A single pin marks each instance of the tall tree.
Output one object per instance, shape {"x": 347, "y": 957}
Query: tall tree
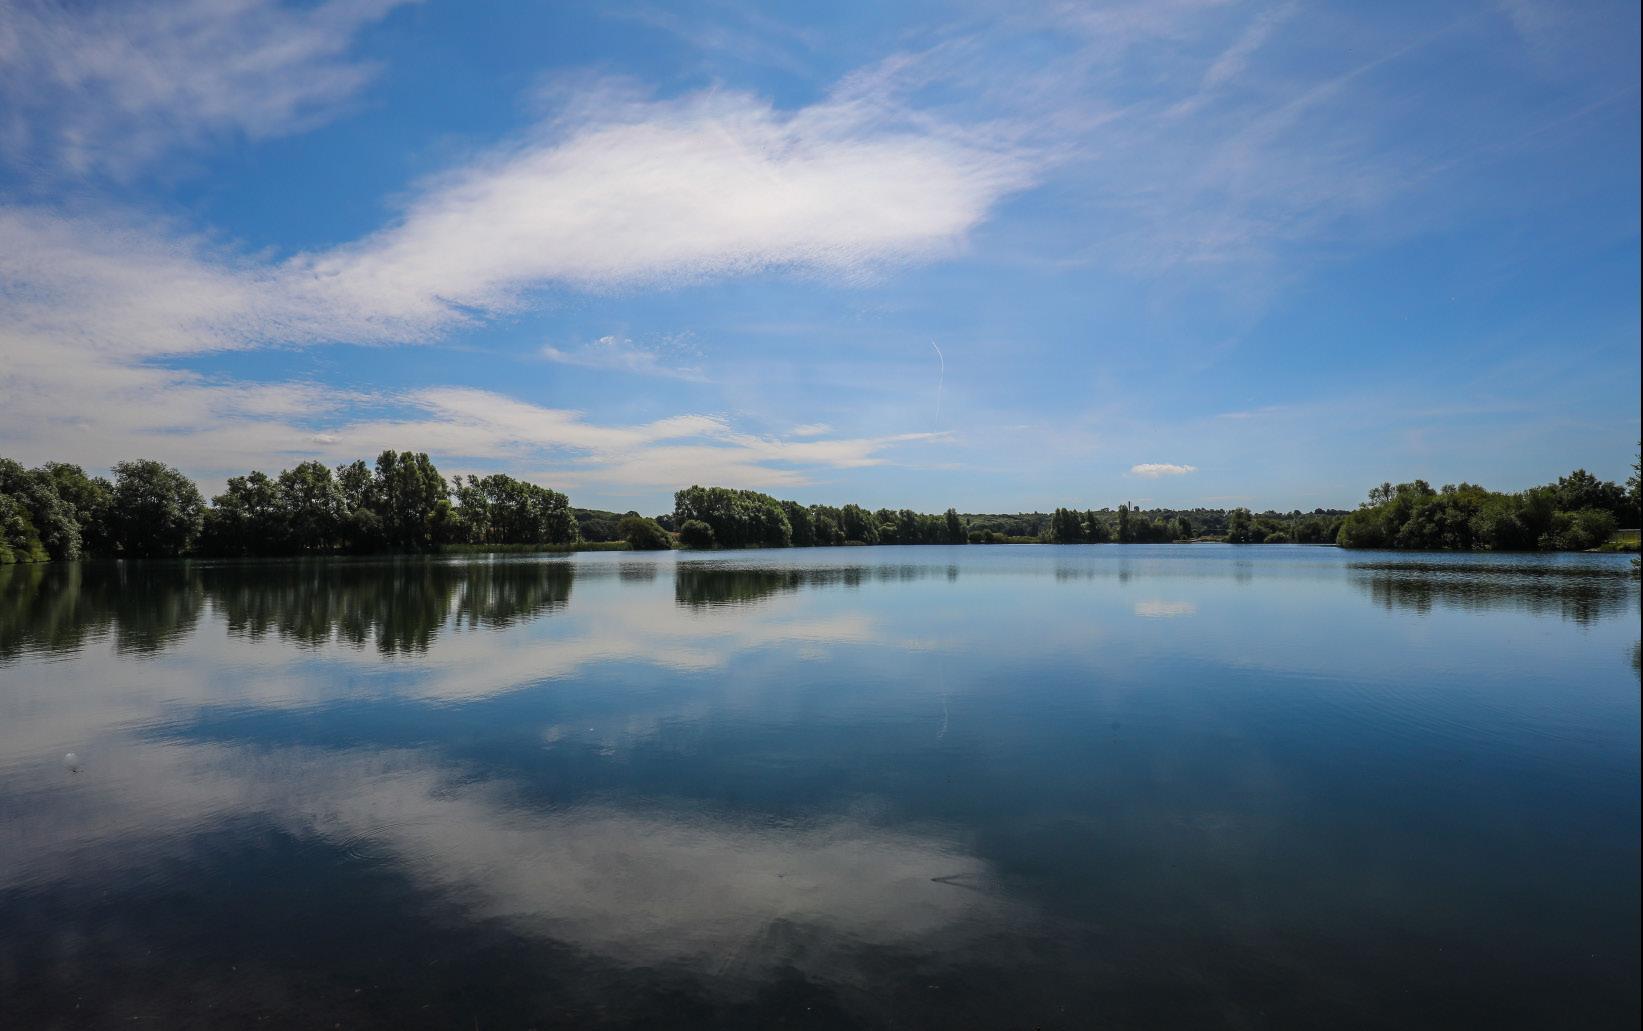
{"x": 157, "y": 511}
{"x": 312, "y": 506}
{"x": 19, "y": 542}
{"x": 89, "y": 496}
{"x": 412, "y": 502}
{"x": 245, "y": 519}
{"x": 52, "y": 517}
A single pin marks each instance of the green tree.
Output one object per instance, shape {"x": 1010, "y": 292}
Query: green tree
{"x": 19, "y": 541}
{"x": 312, "y": 507}
{"x": 89, "y": 496}
{"x": 826, "y": 521}
{"x": 858, "y": 525}
{"x": 157, "y": 512}
{"x": 955, "y": 528}
{"x": 363, "y": 527}
{"x": 1095, "y": 528}
{"x": 1066, "y": 527}
{"x": 245, "y": 519}
{"x": 499, "y": 509}
{"x": 1581, "y": 490}
{"x": 1240, "y": 526}
{"x": 802, "y": 522}
{"x": 739, "y": 518}
{"x": 53, "y": 518}
{"x": 1579, "y": 531}
{"x": 412, "y": 502}
{"x": 644, "y": 534}
{"x": 694, "y": 533}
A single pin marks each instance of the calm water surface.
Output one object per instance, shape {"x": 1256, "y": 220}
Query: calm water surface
{"x": 944, "y": 787}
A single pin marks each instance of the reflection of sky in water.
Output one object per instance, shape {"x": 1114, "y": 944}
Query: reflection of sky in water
{"x": 1036, "y": 777}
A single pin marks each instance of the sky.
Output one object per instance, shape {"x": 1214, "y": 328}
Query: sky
{"x": 999, "y": 257}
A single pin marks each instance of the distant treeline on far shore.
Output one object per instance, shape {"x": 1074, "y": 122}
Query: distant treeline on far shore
{"x": 403, "y": 505}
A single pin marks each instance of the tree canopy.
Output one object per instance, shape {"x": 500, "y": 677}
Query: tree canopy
{"x": 402, "y": 503}
{"x": 1577, "y": 512}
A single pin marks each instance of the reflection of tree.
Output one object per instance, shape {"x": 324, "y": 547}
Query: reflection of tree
{"x": 713, "y": 586}
{"x": 401, "y": 605}
{"x": 1581, "y": 594}
{"x": 59, "y": 606}
{"x": 637, "y": 572}
{"x": 706, "y": 585}
{"x": 498, "y": 594}
{"x": 43, "y": 607}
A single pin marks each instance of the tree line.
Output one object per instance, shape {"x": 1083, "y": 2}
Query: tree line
{"x": 403, "y": 504}
{"x": 1576, "y": 513}
{"x": 723, "y": 517}
{"x": 151, "y": 510}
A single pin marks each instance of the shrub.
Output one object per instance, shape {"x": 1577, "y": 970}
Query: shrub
{"x": 696, "y": 534}
{"x": 644, "y": 534}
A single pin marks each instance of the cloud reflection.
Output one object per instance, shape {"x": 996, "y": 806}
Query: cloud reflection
{"x": 639, "y": 884}
{"x": 1158, "y": 609}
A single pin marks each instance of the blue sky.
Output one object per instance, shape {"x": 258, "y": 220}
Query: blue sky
{"x": 1000, "y": 257}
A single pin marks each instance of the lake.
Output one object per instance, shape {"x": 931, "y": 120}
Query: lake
{"x": 1013, "y": 786}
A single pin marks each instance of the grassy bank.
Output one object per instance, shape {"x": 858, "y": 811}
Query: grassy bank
{"x": 1623, "y": 540}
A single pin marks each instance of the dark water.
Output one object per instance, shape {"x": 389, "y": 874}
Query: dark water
{"x": 967, "y": 787}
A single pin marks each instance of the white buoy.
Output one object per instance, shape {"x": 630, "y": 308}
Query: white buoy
{"x": 71, "y": 762}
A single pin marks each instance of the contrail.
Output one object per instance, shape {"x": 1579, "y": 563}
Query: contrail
{"x": 941, "y": 381}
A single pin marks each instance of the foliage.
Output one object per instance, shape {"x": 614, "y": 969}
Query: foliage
{"x": 412, "y": 503}
{"x": 312, "y": 507}
{"x": 499, "y": 509}
{"x": 155, "y": 511}
{"x": 802, "y": 523}
{"x": 1066, "y": 527}
{"x": 244, "y": 519}
{"x": 403, "y": 504}
{"x": 89, "y": 497}
{"x": 53, "y": 518}
{"x": 694, "y": 533}
{"x": 739, "y": 518}
{"x": 1577, "y": 513}
{"x": 644, "y": 534}
{"x": 595, "y": 525}
{"x": 19, "y": 541}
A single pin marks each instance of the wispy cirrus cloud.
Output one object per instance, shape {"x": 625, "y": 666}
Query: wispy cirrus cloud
{"x": 1154, "y": 470}
{"x": 620, "y": 354}
{"x": 483, "y": 425}
{"x": 111, "y": 87}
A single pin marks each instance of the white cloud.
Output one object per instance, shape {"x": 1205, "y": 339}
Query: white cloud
{"x": 110, "y": 87}
{"x": 810, "y": 429}
{"x": 1153, "y": 470}
{"x": 623, "y": 355}
{"x": 621, "y": 193}
{"x": 618, "y": 193}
